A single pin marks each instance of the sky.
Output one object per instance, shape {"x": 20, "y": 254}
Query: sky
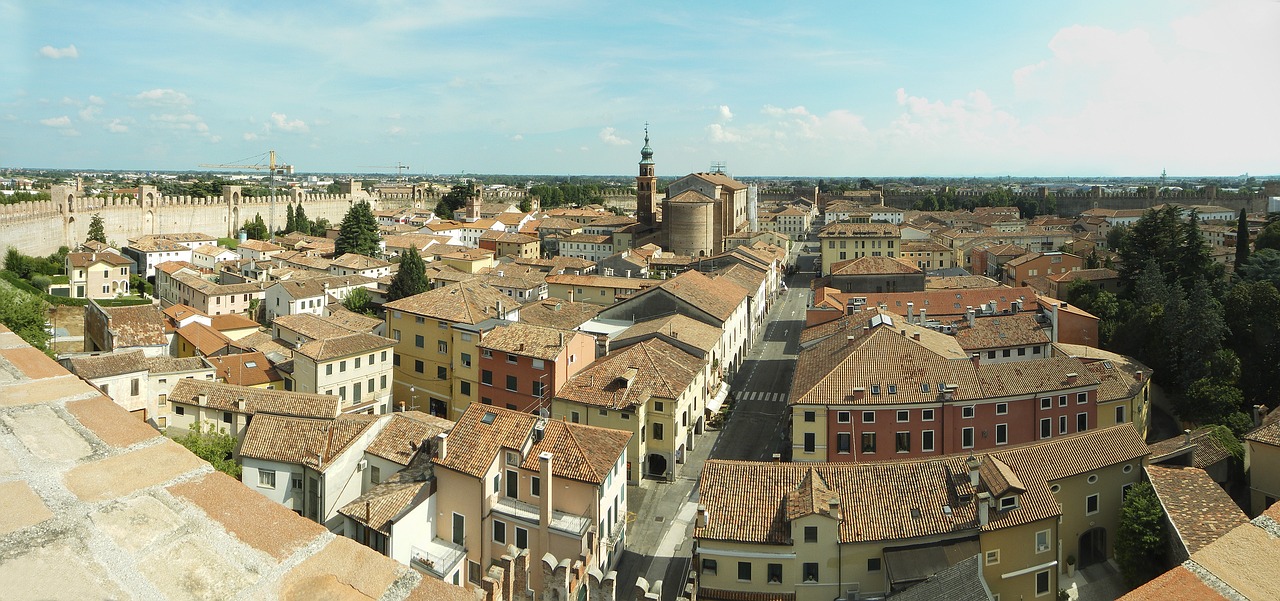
{"x": 848, "y": 88}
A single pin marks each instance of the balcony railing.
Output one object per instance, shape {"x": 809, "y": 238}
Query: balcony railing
{"x": 438, "y": 557}
{"x": 567, "y": 523}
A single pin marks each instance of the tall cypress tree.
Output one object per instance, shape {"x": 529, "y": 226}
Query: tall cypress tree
{"x": 290, "y": 223}
{"x": 1242, "y": 239}
{"x": 96, "y": 231}
{"x": 411, "y": 279}
{"x": 359, "y": 231}
{"x": 301, "y": 224}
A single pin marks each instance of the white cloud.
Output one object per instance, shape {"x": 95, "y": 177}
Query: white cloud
{"x": 57, "y": 53}
{"x": 517, "y": 138}
{"x": 395, "y": 130}
{"x": 774, "y": 111}
{"x": 249, "y": 136}
{"x": 116, "y": 127}
{"x": 718, "y": 133}
{"x": 90, "y": 112}
{"x": 163, "y": 97}
{"x": 609, "y": 136}
{"x": 57, "y": 122}
{"x": 725, "y": 113}
{"x": 281, "y": 122}
{"x": 97, "y": 100}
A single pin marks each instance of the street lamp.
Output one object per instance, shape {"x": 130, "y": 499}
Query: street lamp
{"x": 413, "y": 397}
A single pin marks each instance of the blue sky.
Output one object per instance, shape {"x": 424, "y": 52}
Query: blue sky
{"x": 565, "y": 87}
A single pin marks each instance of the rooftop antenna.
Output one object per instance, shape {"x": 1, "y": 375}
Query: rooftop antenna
{"x": 717, "y": 167}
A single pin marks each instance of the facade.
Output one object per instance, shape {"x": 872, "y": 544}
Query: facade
{"x": 700, "y": 210}
{"x": 357, "y": 368}
{"x": 149, "y": 251}
{"x": 814, "y": 532}
{"x": 353, "y": 264}
{"x": 595, "y": 289}
{"x": 876, "y": 274}
{"x": 97, "y": 275}
{"x": 843, "y": 241}
{"x": 1048, "y": 264}
{"x": 181, "y": 285}
{"x": 510, "y": 244}
{"x": 507, "y": 478}
{"x": 208, "y": 256}
{"x": 1262, "y": 461}
{"x": 194, "y": 404}
{"x": 138, "y": 383}
{"x": 523, "y": 366}
{"x": 139, "y": 327}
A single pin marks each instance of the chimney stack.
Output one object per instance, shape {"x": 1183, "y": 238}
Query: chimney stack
{"x": 976, "y": 358}
{"x": 442, "y": 445}
{"x": 1187, "y": 433}
{"x": 922, "y": 316}
{"x": 915, "y": 335}
{"x": 545, "y": 501}
{"x": 911, "y": 311}
{"x": 702, "y": 516}
{"x": 1072, "y": 377}
{"x": 984, "y": 508}
{"x": 973, "y": 464}
{"x": 970, "y": 314}
{"x": 1259, "y": 414}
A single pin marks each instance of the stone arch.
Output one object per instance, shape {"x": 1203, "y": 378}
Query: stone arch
{"x": 149, "y": 198}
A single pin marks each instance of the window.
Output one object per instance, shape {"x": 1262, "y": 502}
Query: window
{"x": 370, "y": 385}
{"x": 875, "y": 389}
{"x": 904, "y": 416}
{"x": 486, "y": 377}
{"x": 1042, "y": 541}
{"x": 442, "y": 325}
{"x": 657, "y": 431}
{"x": 1005, "y": 352}
{"x": 809, "y": 442}
{"x": 486, "y": 353}
{"x": 1062, "y": 424}
{"x": 966, "y": 412}
{"x": 1091, "y": 504}
{"x": 873, "y": 564}
{"x": 266, "y": 478}
{"x": 512, "y": 383}
{"x": 1042, "y": 583}
{"x": 395, "y": 360}
{"x": 893, "y": 389}
{"x": 512, "y": 358}
{"x": 418, "y": 366}
{"x": 657, "y": 406}
{"x": 133, "y": 387}
{"x": 744, "y": 571}
{"x": 1082, "y": 398}
{"x": 868, "y": 442}
{"x": 575, "y": 417}
{"x": 384, "y": 357}
{"x": 811, "y": 572}
{"x": 1124, "y": 491}
{"x": 442, "y": 372}
{"x": 926, "y": 441}
{"x": 1009, "y": 502}
{"x": 375, "y": 474}
{"x": 1002, "y": 408}
{"x": 535, "y": 486}
{"x": 1046, "y": 403}
{"x": 993, "y": 557}
{"x": 966, "y": 438}
{"x": 991, "y": 354}
{"x": 442, "y": 347}
{"x": 357, "y": 366}
{"x": 513, "y": 483}
{"x": 843, "y": 417}
{"x": 1082, "y": 422}
{"x": 539, "y": 364}
{"x": 419, "y": 319}
{"x": 926, "y": 414}
{"x": 1022, "y": 351}
{"x": 843, "y": 442}
{"x": 810, "y": 534}
{"x": 419, "y": 341}
{"x": 178, "y": 409}
{"x": 868, "y": 417}
{"x": 522, "y": 538}
{"x": 382, "y": 383}
{"x": 810, "y": 416}
{"x": 1062, "y": 400}
{"x": 466, "y": 359}
{"x": 1119, "y": 414}
{"x": 709, "y": 566}
{"x": 1046, "y": 427}
{"x": 473, "y": 571}
{"x": 902, "y": 442}
{"x": 226, "y": 417}
{"x": 328, "y": 370}
{"x": 1002, "y": 433}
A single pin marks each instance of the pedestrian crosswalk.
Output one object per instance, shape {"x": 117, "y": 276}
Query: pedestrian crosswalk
{"x": 756, "y": 395}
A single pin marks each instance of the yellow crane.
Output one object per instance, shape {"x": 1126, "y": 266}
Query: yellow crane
{"x": 399, "y": 167}
{"x": 273, "y": 169}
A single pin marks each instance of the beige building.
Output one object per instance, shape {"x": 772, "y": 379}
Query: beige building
{"x": 357, "y": 368}
{"x": 815, "y": 532}
{"x": 842, "y": 241}
{"x": 507, "y": 478}
{"x": 229, "y": 408}
{"x": 700, "y": 210}
{"x": 98, "y": 275}
{"x": 139, "y": 383}
{"x": 1262, "y": 462}
{"x": 595, "y": 289}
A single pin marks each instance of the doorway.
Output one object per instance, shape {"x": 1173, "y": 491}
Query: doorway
{"x": 1093, "y": 546}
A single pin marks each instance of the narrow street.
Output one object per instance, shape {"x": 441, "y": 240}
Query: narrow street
{"x": 659, "y": 540}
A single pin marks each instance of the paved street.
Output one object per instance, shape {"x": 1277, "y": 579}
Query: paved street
{"x": 659, "y": 540}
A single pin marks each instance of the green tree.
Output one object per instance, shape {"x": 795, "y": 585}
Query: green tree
{"x": 96, "y": 231}
{"x": 290, "y": 224}
{"x": 17, "y": 263}
{"x": 1242, "y": 239}
{"x": 256, "y": 228}
{"x": 1269, "y": 237}
{"x": 359, "y": 231}
{"x": 1091, "y": 261}
{"x": 1262, "y": 266}
{"x": 320, "y": 226}
{"x": 525, "y": 205}
{"x": 411, "y": 279}
{"x": 24, "y": 314}
{"x": 1207, "y": 401}
{"x": 1115, "y": 236}
{"x": 1252, "y": 312}
{"x": 212, "y": 445}
{"x": 1141, "y": 539}
{"x": 456, "y": 198}
{"x": 301, "y": 224}
{"x": 357, "y": 301}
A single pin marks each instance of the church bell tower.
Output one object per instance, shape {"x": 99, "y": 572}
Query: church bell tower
{"x": 646, "y": 186}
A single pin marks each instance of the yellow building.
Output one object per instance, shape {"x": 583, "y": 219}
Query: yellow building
{"x": 843, "y": 241}
{"x": 815, "y": 532}
{"x": 595, "y": 289}
{"x": 1262, "y": 461}
{"x": 430, "y": 345}
{"x": 1124, "y": 389}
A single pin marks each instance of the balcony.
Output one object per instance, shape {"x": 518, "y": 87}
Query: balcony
{"x": 573, "y": 525}
{"x": 438, "y": 557}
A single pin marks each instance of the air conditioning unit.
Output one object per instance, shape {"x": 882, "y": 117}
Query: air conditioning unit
{"x": 362, "y": 464}
{"x": 851, "y": 594}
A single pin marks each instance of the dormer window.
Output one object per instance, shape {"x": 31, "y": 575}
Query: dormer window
{"x": 1009, "y": 502}
{"x": 875, "y": 389}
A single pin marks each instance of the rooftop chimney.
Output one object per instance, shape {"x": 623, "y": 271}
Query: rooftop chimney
{"x": 984, "y": 507}
{"x": 702, "y": 516}
{"x": 922, "y": 316}
{"x": 202, "y": 399}
{"x": 973, "y": 463}
{"x": 548, "y": 489}
{"x": 1139, "y": 375}
{"x": 1187, "y": 433}
{"x": 442, "y": 446}
{"x": 911, "y": 311}
{"x": 859, "y": 393}
{"x": 970, "y": 314}
{"x": 976, "y": 358}
{"x": 1071, "y": 377}
{"x": 915, "y": 335}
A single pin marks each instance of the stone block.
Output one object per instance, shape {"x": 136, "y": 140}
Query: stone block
{"x": 20, "y": 507}
{"x": 63, "y": 571}
{"x": 249, "y": 516}
{"x": 136, "y": 523}
{"x": 111, "y": 422}
{"x": 46, "y": 435}
{"x": 343, "y": 569}
{"x": 52, "y": 389}
{"x": 192, "y": 569}
{"x": 11, "y": 340}
{"x": 32, "y": 363}
{"x": 120, "y": 475}
{"x": 7, "y": 464}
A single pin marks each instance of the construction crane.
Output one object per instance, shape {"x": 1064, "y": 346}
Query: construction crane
{"x": 399, "y": 167}
{"x": 273, "y": 169}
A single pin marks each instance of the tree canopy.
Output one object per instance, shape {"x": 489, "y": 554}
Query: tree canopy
{"x": 214, "y": 446}
{"x": 24, "y": 314}
{"x": 1141, "y": 539}
{"x": 256, "y": 228}
{"x": 411, "y": 279}
{"x": 96, "y": 230}
{"x": 1242, "y": 239}
{"x": 358, "y": 232}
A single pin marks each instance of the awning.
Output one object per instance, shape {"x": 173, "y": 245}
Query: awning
{"x": 718, "y": 400}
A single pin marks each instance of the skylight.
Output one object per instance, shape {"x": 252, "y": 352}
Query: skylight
{"x": 488, "y": 418}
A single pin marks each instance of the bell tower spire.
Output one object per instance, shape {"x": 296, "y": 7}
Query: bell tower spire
{"x": 646, "y": 186}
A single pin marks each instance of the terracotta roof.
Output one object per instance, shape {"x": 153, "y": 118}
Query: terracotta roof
{"x": 355, "y": 261}
{"x": 874, "y": 266}
{"x": 245, "y": 369}
{"x": 314, "y": 443}
{"x": 188, "y": 237}
{"x": 1001, "y": 331}
{"x": 558, "y": 313}
{"x": 557, "y": 223}
{"x": 1101, "y": 273}
{"x": 109, "y": 364}
{"x": 205, "y": 339}
{"x": 407, "y": 432}
{"x": 715, "y": 297}
{"x": 601, "y": 281}
{"x": 463, "y": 302}
{"x": 169, "y": 365}
{"x": 352, "y": 321}
{"x": 1268, "y": 433}
{"x": 1200, "y": 511}
{"x": 210, "y": 250}
{"x": 262, "y": 341}
{"x": 691, "y": 196}
{"x": 507, "y": 237}
{"x": 860, "y": 230}
{"x": 584, "y": 453}
{"x": 326, "y": 349}
{"x": 677, "y": 327}
{"x": 89, "y": 259}
{"x": 1178, "y": 584}
{"x": 1246, "y": 559}
{"x": 231, "y": 321}
{"x": 151, "y": 245}
{"x": 135, "y": 325}
{"x": 720, "y": 179}
{"x": 383, "y": 503}
{"x": 715, "y": 594}
{"x": 260, "y": 246}
{"x": 312, "y": 326}
{"x": 179, "y": 312}
{"x": 588, "y": 239}
{"x": 256, "y": 400}
{"x": 1117, "y": 373}
{"x": 528, "y": 340}
{"x": 811, "y": 497}
{"x": 629, "y": 377}
{"x": 1205, "y": 446}
{"x": 744, "y": 277}
{"x": 943, "y": 303}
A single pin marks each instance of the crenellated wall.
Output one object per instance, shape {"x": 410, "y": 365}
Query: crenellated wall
{"x": 39, "y": 228}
